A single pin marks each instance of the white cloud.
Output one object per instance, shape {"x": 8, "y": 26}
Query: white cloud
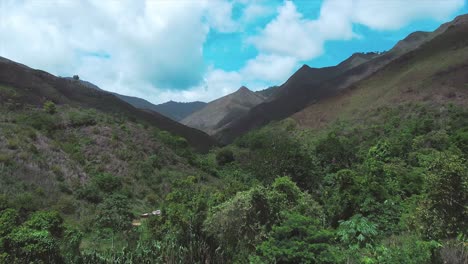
{"x": 272, "y": 68}
{"x": 120, "y": 45}
{"x": 291, "y": 34}
{"x": 387, "y": 15}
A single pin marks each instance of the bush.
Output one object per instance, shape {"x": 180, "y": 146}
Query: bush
{"x": 107, "y": 182}
{"x": 224, "y": 156}
{"x": 50, "y": 107}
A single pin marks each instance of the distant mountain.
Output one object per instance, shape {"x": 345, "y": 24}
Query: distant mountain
{"x": 174, "y": 110}
{"x": 178, "y": 110}
{"x": 221, "y": 112}
{"x": 34, "y": 87}
{"x": 311, "y": 85}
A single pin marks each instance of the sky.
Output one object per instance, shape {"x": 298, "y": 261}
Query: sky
{"x": 189, "y": 50}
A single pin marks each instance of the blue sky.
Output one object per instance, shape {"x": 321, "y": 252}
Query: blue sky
{"x": 186, "y": 50}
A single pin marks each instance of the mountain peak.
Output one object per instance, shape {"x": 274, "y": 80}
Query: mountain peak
{"x": 243, "y": 89}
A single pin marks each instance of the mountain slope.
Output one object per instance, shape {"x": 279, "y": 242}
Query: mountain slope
{"x": 34, "y": 87}
{"x": 435, "y": 73}
{"x": 178, "y": 110}
{"x": 174, "y": 110}
{"x": 311, "y": 85}
{"x": 221, "y": 112}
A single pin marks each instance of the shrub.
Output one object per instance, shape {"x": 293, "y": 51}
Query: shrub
{"x": 107, "y": 182}
{"x": 50, "y": 107}
{"x": 224, "y": 156}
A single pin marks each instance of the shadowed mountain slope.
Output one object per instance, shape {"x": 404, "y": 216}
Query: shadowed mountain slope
{"x": 436, "y": 73}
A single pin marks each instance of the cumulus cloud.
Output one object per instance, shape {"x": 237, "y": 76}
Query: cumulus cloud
{"x": 387, "y": 15}
{"x": 291, "y": 34}
{"x": 116, "y": 43}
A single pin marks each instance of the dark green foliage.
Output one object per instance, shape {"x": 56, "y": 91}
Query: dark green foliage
{"x": 114, "y": 213}
{"x": 299, "y": 239}
{"x": 107, "y": 182}
{"x": 50, "y": 221}
{"x": 335, "y": 152}
{"x": 274, "y": 152}
{"x": 25, "y": 245}
{"x": 224, "y": 156}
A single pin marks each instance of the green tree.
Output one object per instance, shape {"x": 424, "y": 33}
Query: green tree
{"x": 447, "y": 190}
{"x": 46, "y": 220}
{"x": 114, "y": 213}
{"x": 299, "y": 239}
{"x": 26, "y": 245}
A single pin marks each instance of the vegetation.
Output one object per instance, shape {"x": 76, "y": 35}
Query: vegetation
{"x": 391, "y": 188}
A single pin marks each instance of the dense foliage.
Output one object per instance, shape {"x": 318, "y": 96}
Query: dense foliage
{"x": 391, "y": 188}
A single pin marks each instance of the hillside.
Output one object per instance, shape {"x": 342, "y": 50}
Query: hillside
{"x": 27, "y": 86}
{"x": 311, "y": 85}
{"x": 178, "y": 110}
{"x": 223, "y": 111}
{"x": 174, "y": 110}
{"x": 435, "y": 73}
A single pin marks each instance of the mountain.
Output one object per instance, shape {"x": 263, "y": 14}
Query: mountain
{"x": 311, "y": 85}
{"x": 221, "y": 112}
{"x": 34, "y": 87}
{"x": 178, "y": 110}
{"x": 174, "y": 110}
{"x": 436, "y": 74}
{"x": 268, "y": 93}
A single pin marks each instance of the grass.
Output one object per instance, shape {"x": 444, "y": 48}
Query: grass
{"x": 8, "y": 91}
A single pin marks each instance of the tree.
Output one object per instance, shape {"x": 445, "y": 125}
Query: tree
{"x": 46, "y": 220}
{"x": 114, "y": 213}
{"x": 76, "y": 77}
{"x": 299, "y": 239}
{"x": 447, "y": 195}
{"x": 26, "y": 245}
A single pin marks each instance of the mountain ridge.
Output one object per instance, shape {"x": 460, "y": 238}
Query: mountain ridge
{"x": 310, "y": 85}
